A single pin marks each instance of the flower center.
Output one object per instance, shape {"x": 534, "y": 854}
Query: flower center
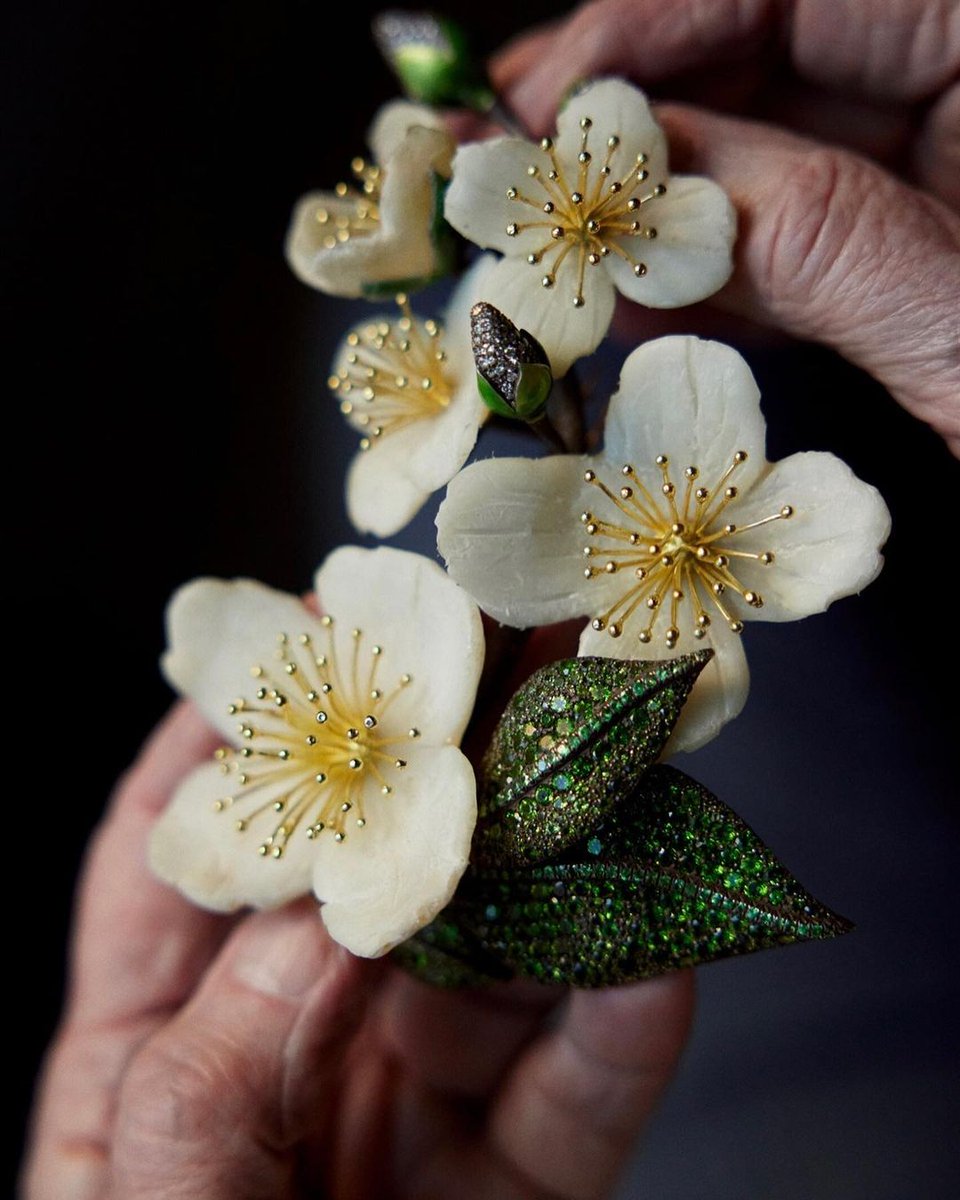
{"x": 671, "y": 546}
{"x": 312, "y": 738}
{"x": 364, "y": 197}
{"x": 588, "y": 214}
{"x": 393, "y": 375}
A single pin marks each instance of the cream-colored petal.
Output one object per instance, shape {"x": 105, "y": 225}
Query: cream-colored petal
{"x": 692, "y": 400}
{"x": 829, "y": 548}
{"x": 339, "y": 269}
{"x": 427, "y": 627}
{"x": 477, "y": 202}
{"x": 217, "y": 631}
{"x": 615, "y": 109}
{"x": 199, "y": 850}
{"x": 391, "y": 124}
{"x": 382, "y": 496}
{"x": 510, "y": 532}
{"x": 390, "y": 878}
{"x": 456, "y": 320}
{"x": 566, "y": 332}
{"x": 407, "y": 204}
{"x": 690, "y": 257}
{"x": 389, "y": 483}
{"x": 718, "y": 695}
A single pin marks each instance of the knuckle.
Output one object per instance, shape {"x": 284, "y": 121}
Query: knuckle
{"x": 823, "y": 208}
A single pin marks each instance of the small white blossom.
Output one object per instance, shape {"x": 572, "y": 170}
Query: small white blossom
{"x": 380, "y": 232}
{"x": 341, "y": 771}
{"x": 673, "y": 536}
{"x": 590, "y": 213}
{"x": 409, "y": 387}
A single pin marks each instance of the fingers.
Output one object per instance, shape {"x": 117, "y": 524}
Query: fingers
{"x": 938, "y": 151}
{"x": 140, "y": 946}
{"x": 215, "y": 1104}
{"x": 138, "y": 952}
{"x": 642, "y": 39}
{"x": 886, "y": 49}
{"x": 576, "y": 1101}
{"x": 460, "y": 1043}
{"x": 905, "y": 50}
{"x": 833, "y": 249}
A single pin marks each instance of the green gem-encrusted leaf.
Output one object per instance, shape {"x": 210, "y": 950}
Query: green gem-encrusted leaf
{"x": 444, "y": 954}
{"x": 574, "y": 739}
{"x": 672, "y": 879}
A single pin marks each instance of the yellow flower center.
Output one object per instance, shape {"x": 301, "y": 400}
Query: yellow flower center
{"x": 364, "y": 217}
{"x": 311, "y": 739}
{"x": 394, "y": 374}
{"x": 588, "y": 214}
{"x": 670, "y": 545}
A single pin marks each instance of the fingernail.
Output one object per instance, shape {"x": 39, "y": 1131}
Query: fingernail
{"x": 282, "y": 953}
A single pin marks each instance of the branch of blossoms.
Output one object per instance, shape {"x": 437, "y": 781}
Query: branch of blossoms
{"x": 565, "y": 849}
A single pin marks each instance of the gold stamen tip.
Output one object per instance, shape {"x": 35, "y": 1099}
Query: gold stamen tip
{"x": 369, "y": 721}
{"x": 610, "y": 567}
{"x": 598, "y": 623}
{"x": 512, "y": 193}
{"x": 353, "y": 734}
{"x": 354, "y": 764}
{"x": 644, "y": 636}
{"x": 339, "y": 836}
{"x": 546, "y": 144}
{"x": 766, "y": 558}
{"x": 626, "y": 493}
{"x": 586, "y": 123}
{"x": 652, "y": 601}
{"x": 548, "y": 207}
{"x": 556, "y": 232}
{"x": 405, "y": 679}
{"x": 662, "y": 461}
{"x": 320, "y": 777}
{"x": 321, "y": 717}
{"x": 513, "y": 229}
{"x": 414, "y": 733}
{"x": 578, "y": 301}
{"x": 386, "y": 789}
{"x": 639, "y": 269}
{"x": 589, "y": 476}
{"x": 576, "y": 197}
{"x": 736, "y": 627}
{"x": 787, "y": 510}
{"x": 613, "y": 141}
{"x": 361, "y": 822}
{"x": 240, "y": 826}
{"x": 399, "y": 763}
{"x": 614, "y": 630}
{"x": 584, "y": 157}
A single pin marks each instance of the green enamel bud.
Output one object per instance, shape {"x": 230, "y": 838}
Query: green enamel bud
{"x": 431, "y": 59}
{"x": 513, "y": 372}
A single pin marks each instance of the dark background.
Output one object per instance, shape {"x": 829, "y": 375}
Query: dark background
{"x": 169, "y": 418}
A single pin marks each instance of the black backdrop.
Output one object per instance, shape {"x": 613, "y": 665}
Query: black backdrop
{"x": 164, "y": 422}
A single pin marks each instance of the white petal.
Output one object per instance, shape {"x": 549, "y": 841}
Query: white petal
{"x": 456, "y": 320}
{"x": 616, "y": 109}
{"x": 565, "y": 332}
{"x": 389, "y": 483}
{"x": 389, "y": 879}
{"x": 340, "y": 269}
{"x": 510, "y": 532}
{"x": 391, "y": 124}
{"x": 216, "y": 632}
{"x": 690, "y": 257}
{"x": 199, "y": 850}
{"x": 477, "y": 204}
{"x": 829, "y": 548}
{"x": 718, "y": 695}
{"x": 407, "y": 205}
{"x": 694, "y": 401}
{"x": 427, "y": 627}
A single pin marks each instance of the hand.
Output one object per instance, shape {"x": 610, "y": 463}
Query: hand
{"x": 849, "y": 234}
{"x": 245, "y": 1057}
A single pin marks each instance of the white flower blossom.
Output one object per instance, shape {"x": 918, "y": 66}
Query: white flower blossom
{"x": 341, "y": 771}
{"x": 380, "y": 232}
{"x": 409, "y": 386}
{"x": 590, "y": 213}
{"x": 673, "y": 536}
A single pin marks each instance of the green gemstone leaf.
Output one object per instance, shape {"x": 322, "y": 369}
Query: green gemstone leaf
{"x": 673, "y": 878}
{"x": 574, "y": 740}
{"x": 446, "y": 955}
